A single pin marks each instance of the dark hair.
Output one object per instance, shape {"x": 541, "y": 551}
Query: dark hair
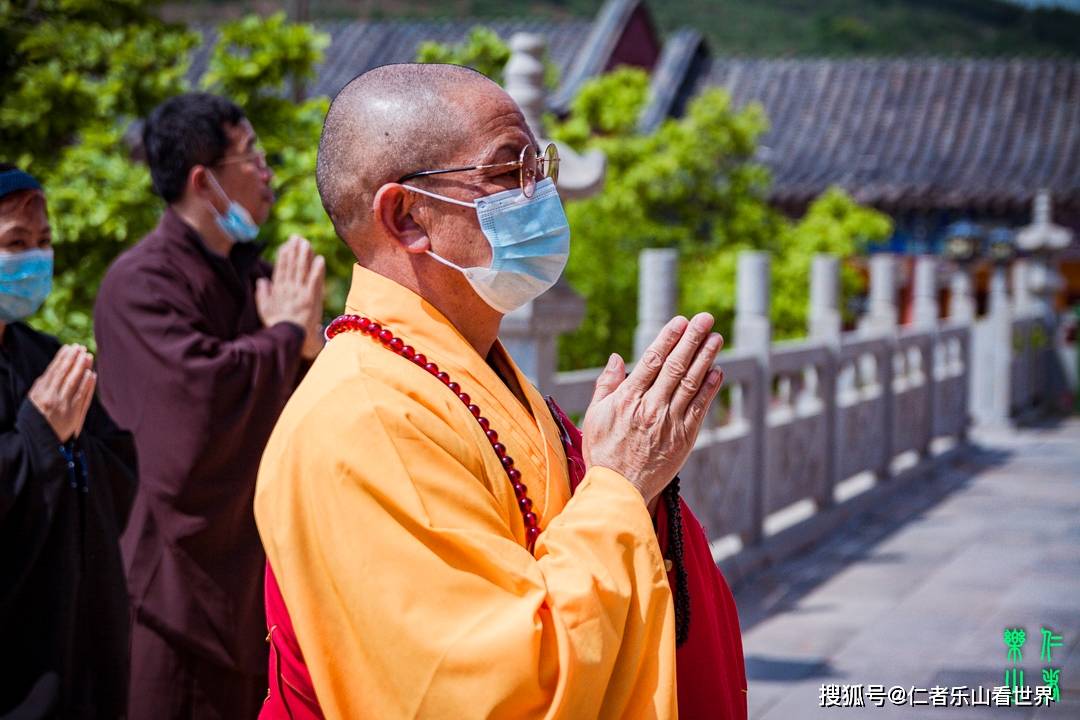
{"x": 185, "y": 131}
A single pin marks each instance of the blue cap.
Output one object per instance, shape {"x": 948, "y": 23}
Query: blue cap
{"x": 16, "y": 180}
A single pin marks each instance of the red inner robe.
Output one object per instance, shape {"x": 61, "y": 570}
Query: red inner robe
{"x": 709, "y": 667}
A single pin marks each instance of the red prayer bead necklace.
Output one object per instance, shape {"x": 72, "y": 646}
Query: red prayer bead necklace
{"x": 356, "y": 323}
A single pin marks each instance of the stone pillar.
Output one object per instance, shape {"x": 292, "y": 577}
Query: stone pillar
{"x": 881, "y": 319}
{"x": 658, "y": 294}
{"x": 925, "y": 292}
{"x": 753, "y": 334}
{"x": 531, "y": 333}
{"x": 580, "y": 176}
{"x": 997, "y": 407}
{"x": 882, "y": 314}
{"x": 1021, "y": 287}
{"x": 961, "y": 297}
{"x": 1044, "y": 241}
{"x": 825, "y": 324}
{"x": 524, "y": 78}
{"x": 825, "y": 321}
{"x": 753, "y": 330}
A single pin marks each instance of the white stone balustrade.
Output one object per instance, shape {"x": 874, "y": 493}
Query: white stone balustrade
{"x": 806, "y": 429}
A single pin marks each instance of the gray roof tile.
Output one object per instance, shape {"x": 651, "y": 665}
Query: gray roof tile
{"x": 910, "y": 132}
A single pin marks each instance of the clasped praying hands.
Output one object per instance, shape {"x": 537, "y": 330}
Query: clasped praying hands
{"x": 644, "y": 425}
{"x": 62, "y": 394}
{"x": 295, "y": 293}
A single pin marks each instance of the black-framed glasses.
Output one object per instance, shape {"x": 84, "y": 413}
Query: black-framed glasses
{"x": 532, "y": 164}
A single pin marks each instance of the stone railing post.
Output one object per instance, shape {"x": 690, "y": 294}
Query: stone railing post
{"x": 925, "y": 292}
{"x": 1000, "y": 358}
{"x": 658, "y": 295}
{"x": 1021, "y": 288}
{"x": 881, "y": 318}
{"x": 882, "y": 314}
{"x": 825, "y": 320}
{"x": 531, "y": 333}
{"x": 961, "y": 297}
{"x": 926, "y": 318}
{"x": 826, "y": 325}
{"x": 753, "y": 334}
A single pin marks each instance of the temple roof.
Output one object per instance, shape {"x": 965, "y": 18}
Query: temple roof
{"x": 984, "y": 134}
{"x": 919, "y": 134}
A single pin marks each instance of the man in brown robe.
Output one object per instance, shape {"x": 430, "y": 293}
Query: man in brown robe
{"x": 199, "y": 347}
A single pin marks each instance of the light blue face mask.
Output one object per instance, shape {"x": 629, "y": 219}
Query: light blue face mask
{"x": 236, "y": 222}
{"x": 25, "y": 282}
{"x": 530, "y": 244}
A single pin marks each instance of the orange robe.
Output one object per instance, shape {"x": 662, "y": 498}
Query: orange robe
{"x": 397, "y": 543}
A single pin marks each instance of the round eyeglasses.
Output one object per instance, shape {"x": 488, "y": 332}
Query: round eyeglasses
{"x": 532, "y": 165}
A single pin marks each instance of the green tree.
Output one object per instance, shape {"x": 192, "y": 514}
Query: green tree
{"x": 77, "y": 72}
{"x": 482, "y": 50}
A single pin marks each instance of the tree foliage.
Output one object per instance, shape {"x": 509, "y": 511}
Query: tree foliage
{"x": 482, "y": 50}
{"x": 76, "y": 73}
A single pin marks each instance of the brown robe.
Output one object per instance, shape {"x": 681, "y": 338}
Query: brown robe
{"x": 186, "y": 364}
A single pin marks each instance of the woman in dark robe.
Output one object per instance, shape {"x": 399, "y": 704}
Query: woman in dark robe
{"x": 67, "y": 479}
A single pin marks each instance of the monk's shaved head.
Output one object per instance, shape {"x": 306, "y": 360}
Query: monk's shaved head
{"x": 386, "y": 123}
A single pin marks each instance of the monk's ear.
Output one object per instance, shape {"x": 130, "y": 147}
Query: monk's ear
{"x": 392, "y": 209}
{"x": 198, "y": 184}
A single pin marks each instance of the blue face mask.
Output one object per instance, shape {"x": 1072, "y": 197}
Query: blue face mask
{"x": 236, "y": 222}
{"x": 25, "y": 282}
{"x": 530, "y": 244}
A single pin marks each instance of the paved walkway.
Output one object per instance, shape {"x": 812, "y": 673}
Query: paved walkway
{"x": 919, "y": 592}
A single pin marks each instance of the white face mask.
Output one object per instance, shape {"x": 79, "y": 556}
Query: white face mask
{"x": 530, "y": 244}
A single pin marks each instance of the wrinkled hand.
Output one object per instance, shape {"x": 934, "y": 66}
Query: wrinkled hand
{"x": 295, "y": 292}
{"x": 62, "y": 394}
{"x": 644, "y": 425}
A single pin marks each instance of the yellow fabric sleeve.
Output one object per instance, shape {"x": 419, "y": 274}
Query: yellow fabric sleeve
{"x": 411, "y": 595}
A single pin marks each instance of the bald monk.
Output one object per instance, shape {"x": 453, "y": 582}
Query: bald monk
{"x": 431, "y": 551}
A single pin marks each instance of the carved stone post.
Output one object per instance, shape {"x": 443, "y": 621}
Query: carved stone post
{"x": 531, "y": 333}
{"x": 658, "y": 294}
{"x": 961, "y": 297}
{"x": 999, "y": 398}
{"x": 882, "y": 313}
{"x": 826, "y": 325}
{"x": 881, "y": 318}
{"x": 1023, "y": 302}
{"x": 1044, "y": 241}
{"x": 524, "y": 75}
{"x": 753, "y": 334}
{"x": 926, "y": 291}
{"x": 825, "y": 320}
